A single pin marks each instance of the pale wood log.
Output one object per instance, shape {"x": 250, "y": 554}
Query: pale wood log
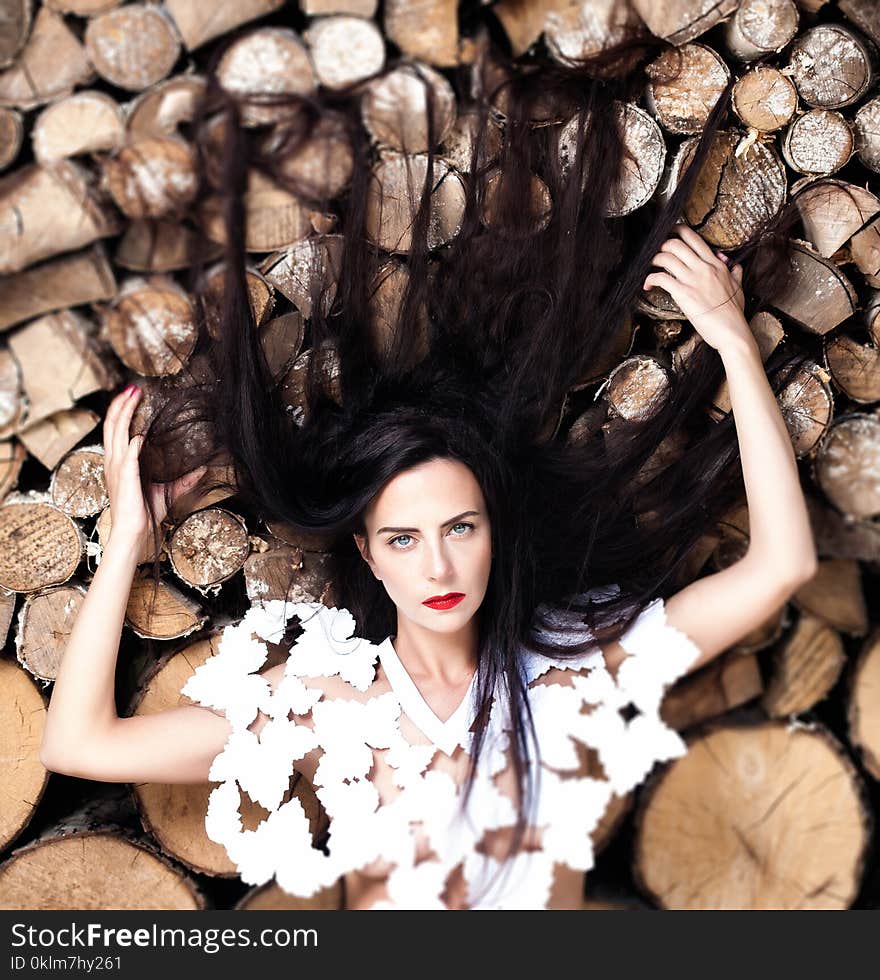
{"x": 42, "y": 546}
{"x": 865, "y": 14}
{"x": 393, "y": 199}
{"x": 12, "y": 405}
{"x": 642, "y": 168}
{"x": 831, "y": 66}
{"x": 70, "y": 280}
{"x": 208, "y": 548}
{"x": 863, "y": 697}
{"x": 151, "y": 326}
{"x": 836, "y": 596}
{"x": 344, "y": 50}
{"x": 274, "y": 218}
{"x": 394, "y": 108}
{"x": 261, "y": 295}
{"x": 85, "y": 122}
{"x": 15, "y": 15}
{"x": 864, "y": 248}
{"x": 77, "y": 485}
{"x": 285, "y": 571}
{"x": 360, "y": 8}
{"x": 52, "y": 437}
{"x": 48, "y": 210}
{"x": 12, "y": 458}
{"x": 732, "y": 680}
{"x": 817, "y": 295}
{"x": 682, "y": 88}
{"x": 160, "y": 245}
{"x": 761, "y": 27}
{"x": 820, "y": 141}
{"x": 321, "y": 165}
{"x": 273, "y": 898}
{"x": 706, "y": 822}
{"x": 133, "y": 46}
{"x": 45, "y": 621}
{"x": 839, "y": 536}
{"x": 161, "y": 109}
{"x": 866, "y": 127}
{"x": 61, "y": 361}
{"x": 855, "y": 368}
{"x": 155, "y": 177}
{"x": 82, "y": 8}
{"x": 424, "y": 29}
{"x": 200, "y": 21}
{"x": 833, "y": 211}
{"x": 764, "y": 99}
{"x": 22, "y": 721}
{"x": 683, "y": 20}
{"x": 807, "y": 406}
{"x": 458, "y": 146}
{"x": 11, "y": 136}
{"x": 846, "y": 465}
{"x": 270, "y": 61}
{"x": 96, "y": 858}
{"x": 290, "y": 270}
{"x": 741, "y": 185}
{"x": 637, "y": 388}
{"x": 173, "y": 614}
{"x": 574, "y": 31}
{"x": 7, "y": 609}
{"x": 52, "y": 64}
{"x": 806, "y": 666}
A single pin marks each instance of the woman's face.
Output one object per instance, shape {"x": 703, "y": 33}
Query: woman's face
{"x": 428, "y": 534}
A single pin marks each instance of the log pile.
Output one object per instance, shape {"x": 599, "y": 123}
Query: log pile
{"x": 98, "y": 214}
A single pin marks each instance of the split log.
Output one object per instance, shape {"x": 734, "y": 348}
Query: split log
{"x": 77, "y": 486}
{"x": 50, "y": 439}
{"x": 817, "y": 295}
{"x": 208, "y": 548}
{"x": 831, "y": 66}
{"x": 161, "y": 109}
{"x": 864, "y": 14}
{"x": 320, "y": 166}
{"x": 260, "y": 294}
{"x": 637, "y": 388}
{"x": 152, "y": 178}
{"x": 734, "y": 794}
{"x": 282, "y": 340}
{"x": 394, "y": 108}
{"x": 82, "y": 8}
{"x": 685, "y": 19}
{"x": 833, "y": 211}
{"x": 200, "y": 21}
{"x": 42, "y": 546}
{"x": 863, "y": 698}
{"x": 805, "y": 668}
{"x": 11, "y": 136}
{"x": 12, "y": 405}
{"x": 730, "y": 681}
{"x": 345, "y": 50}
{"x": 174, "y": 814}
{"x": 132, "y": 46}
{"x": 162, "y": 246}
{"x": 458, "y": 146}
{"x": 698, "y": 77}
{"x": 22, "y": 721}
{"x": 764, "y": 99}
{"x": 425, "y": 29}
{"x": 846, "y": 466}
{"x": 290, "y": 270}
{"x": 761, "y": 27}
{"x": 86, "y": 122}
{"x": 48, "y": 210}
{"x": 839, "y": 536}
{"x": 93, "y": 860}
{"x": 835, "y": 595}
{"x": 51, "y": 65}
{"x": 16, "y": 27}
{"x": 285, "y": 571}
{"x": 173, "y": 615}
{"x": 820, "y": 141}
{"x": 360, "y": 8}
{"x": 61, "y": 361}
{"x": 69, "y": 280}
{"x": 866, "y": 126}
{"x": 45, "y": 622}
{"x": 151, "y": 326}
{"x": 807, "y": 406}
{"x": 855, "y": 368}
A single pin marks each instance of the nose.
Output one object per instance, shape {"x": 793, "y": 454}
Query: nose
{"x": 439, "y": 564}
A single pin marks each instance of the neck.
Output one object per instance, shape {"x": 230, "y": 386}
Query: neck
{"x": 447, "y": 658}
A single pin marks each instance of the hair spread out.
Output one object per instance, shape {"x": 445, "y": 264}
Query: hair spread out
{"x": 497, "y": 337}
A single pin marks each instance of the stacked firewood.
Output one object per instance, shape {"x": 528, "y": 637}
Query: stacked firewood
{"x": 98, "y": 213}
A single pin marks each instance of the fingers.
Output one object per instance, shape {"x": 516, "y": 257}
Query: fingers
{"x": 661, "y": 279}
{"x": 696, "y": 242}
{"x": 110, "y": 423}
{"x": 122, "y": 424}
{"x": 672, "y": 264}
{"x": 676, "y": 246}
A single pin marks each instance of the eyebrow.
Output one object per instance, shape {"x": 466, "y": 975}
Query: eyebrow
{"x": 452, "y": 520}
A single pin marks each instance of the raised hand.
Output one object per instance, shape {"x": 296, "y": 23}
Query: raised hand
{"x": 128, "y": 509}
{"x": 706, "y": 291}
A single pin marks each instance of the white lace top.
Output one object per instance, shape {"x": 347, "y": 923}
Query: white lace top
{"x": 388, "y": 770}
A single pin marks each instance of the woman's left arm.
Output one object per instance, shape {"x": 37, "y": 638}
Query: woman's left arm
{"x": 717, "y": 610}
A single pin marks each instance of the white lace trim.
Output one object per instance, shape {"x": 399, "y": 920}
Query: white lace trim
{"x": 363, "y": 829}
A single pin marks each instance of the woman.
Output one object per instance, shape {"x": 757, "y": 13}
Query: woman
{"x": 434, "y": 466}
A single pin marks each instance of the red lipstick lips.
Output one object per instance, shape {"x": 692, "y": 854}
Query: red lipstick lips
{"x": 444, "y": 601}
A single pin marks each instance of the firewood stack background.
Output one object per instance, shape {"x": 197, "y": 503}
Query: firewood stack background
{"x": 775, "y": 804}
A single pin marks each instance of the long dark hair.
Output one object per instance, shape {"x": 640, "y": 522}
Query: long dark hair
{"x": 496, "y": 332}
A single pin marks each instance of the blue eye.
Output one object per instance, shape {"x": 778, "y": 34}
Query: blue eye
{"x": 404, "y": 547}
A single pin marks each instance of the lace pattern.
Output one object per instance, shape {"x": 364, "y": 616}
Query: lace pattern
{"x": 363, "y": 827}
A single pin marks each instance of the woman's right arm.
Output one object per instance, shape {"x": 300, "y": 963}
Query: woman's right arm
{"x": 83, "y": 735}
